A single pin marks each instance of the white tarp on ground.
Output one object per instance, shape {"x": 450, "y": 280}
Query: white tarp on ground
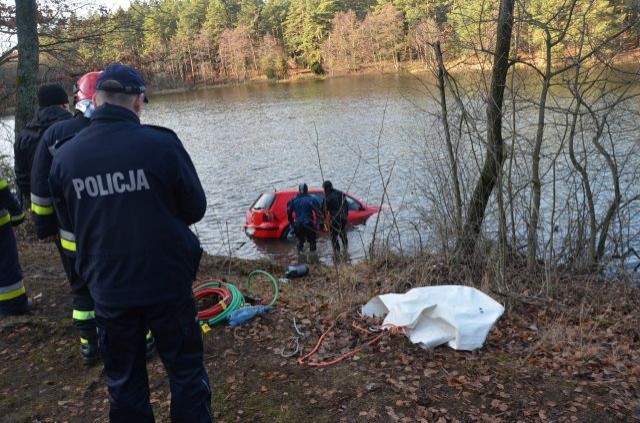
{"x": 459, "y": 316}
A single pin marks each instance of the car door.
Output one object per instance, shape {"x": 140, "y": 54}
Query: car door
{"x": 357, "y": 212}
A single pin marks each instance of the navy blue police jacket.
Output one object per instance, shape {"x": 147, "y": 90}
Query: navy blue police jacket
{"x": 303, "y": 206}
{"x": 125, "y": 194}
{"x": 44, "y": 216}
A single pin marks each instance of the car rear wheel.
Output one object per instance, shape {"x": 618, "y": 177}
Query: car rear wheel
{"x": 284, "y": 233}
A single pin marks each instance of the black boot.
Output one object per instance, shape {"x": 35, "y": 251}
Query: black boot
{"x": 89, "y": 350}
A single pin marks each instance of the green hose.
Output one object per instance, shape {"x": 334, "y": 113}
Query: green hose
{"x": 273, "y": 280}
{"x": 237, "y": 299}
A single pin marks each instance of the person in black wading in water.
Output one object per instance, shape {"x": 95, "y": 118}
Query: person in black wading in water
{"x": 335, "y": 203}
{"x": 304, "y": 211}
{"x": 53, "y": 107}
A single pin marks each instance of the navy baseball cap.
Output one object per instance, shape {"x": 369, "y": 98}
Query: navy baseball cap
{"x": 119, "y": 78}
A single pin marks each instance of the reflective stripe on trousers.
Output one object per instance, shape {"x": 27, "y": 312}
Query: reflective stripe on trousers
{"x": 42, "y": 206}
{"x": 12, "y": 291}
{"x": 5, "y": 217}
{"x": 83, "y": 315}
{"x": 68, "y": 240}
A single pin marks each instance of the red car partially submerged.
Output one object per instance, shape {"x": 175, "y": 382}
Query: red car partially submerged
{"x": 267, "y": 217}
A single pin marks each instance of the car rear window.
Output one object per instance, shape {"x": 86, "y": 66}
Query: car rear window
{"x": 318, "y": 196}
{"x": 353, "y": 204}
{"x": 264, "y": 202}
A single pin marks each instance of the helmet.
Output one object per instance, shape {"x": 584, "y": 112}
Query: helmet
{"x": 85, "y": 88}
{"x": 303, "y": 188}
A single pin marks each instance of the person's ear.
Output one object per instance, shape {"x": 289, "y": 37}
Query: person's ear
{"x": 137, "y": 105}
{"x": 94, "y": 100}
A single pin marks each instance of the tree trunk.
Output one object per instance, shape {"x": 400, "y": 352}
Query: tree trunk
{"x": 617, "y": 199}
{"x": 447, "y": 135}
{"x": 28, "y": 61}
{"x": 493, "y": 162}
{"x": 536, "y": 185}
{"x": 193, "y": 71}
{"x": 586, "y": 184}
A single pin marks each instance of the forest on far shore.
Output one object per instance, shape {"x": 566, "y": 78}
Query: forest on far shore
{"x": 183, "y": 43}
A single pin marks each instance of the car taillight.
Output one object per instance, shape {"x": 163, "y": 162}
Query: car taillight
{"x": 267, "y": 217}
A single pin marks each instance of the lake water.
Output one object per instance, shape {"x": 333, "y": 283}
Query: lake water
{"x": 245, "y": 140}
{"x": 367, "y": 131}
{"x": 249, "y": 139}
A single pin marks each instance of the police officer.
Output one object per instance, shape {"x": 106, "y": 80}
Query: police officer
{"x": 125, "y": 194}
{"x": 303, "y": 211}
{"x": 13, "y": 298}
{"x": 45, "y": 220}
{"x": 53, "y": 103}
{"x": 335, "y": 203}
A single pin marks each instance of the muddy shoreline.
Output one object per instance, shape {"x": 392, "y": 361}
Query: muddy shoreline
{"x": 571, "y": 354}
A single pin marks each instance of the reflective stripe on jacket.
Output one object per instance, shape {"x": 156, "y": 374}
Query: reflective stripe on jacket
{"x": 45, "y": 220}
{"x": 10, "y": 210}
{"x": 12, "y": 293}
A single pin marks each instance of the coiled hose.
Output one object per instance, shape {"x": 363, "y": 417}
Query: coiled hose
{"x": 230, "y": 296}
{"x": 276, "y": 291}
{"x": 231, "y": 299}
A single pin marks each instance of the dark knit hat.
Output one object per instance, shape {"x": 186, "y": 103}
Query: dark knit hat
{"x": 51, "y": 95}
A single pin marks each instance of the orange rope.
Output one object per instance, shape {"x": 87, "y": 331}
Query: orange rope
{"x": 301, "y": 360}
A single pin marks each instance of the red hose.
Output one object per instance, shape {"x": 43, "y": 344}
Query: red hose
{"x": 221, "y": 292}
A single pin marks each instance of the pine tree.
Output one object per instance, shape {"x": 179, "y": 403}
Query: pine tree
{"x": 249, "y": 15}
{"x": 217, "y": 20}
{"x": 294, "y": 25}
{"x": 274, "y": 15}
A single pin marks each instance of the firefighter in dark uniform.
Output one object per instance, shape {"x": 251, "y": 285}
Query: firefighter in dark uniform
{"x": 52, "y": 102}
{"x": 13, "y": 298}
{"x": 46, "y": 222}
{"x": 303, "y": 211}
{"x": 44, "y": 216}
{"x": 125, "y": 195}
{"x": 335, "y": 203}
